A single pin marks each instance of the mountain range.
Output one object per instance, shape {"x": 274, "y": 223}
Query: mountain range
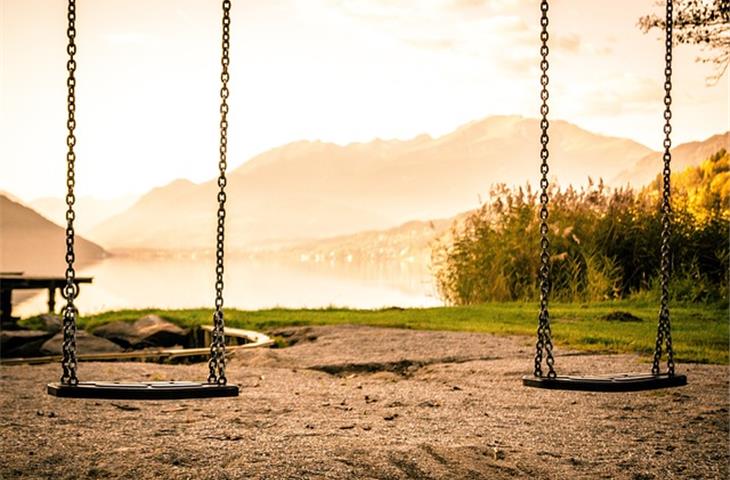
{"x": 310, "y": 199}
{"x": 312, "y": 190}
{"x": 90, "y": 211}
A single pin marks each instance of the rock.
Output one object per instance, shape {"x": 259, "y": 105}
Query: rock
{"x": 121, "y": 333}
{"x": 148, "y": 331}
{"x": 22, "y": 343}
{"x": 156, "y": 332}
{"x": 50, "y": 323}
{"x": 85, "y": 343}
{"x": 497, "y": 454}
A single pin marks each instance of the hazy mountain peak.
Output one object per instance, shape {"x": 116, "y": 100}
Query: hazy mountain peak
{"x": 684, "y": 156}
{"x": 314, "y": 189}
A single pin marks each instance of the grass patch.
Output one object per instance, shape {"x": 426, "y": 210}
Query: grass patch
{"x": 700, "y": 332}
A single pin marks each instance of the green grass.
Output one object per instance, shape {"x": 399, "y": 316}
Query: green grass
{"x": 700, "y": 332}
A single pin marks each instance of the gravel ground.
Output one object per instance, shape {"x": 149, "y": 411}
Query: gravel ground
{"x": 368, "y": 403}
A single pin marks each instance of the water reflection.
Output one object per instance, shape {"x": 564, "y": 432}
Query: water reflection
{"x": 124, "y": 282}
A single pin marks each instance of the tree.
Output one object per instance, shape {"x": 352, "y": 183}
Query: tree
{"x": 699, "y": 22}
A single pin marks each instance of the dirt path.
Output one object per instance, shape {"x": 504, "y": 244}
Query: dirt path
{"x": 366, "y": 403}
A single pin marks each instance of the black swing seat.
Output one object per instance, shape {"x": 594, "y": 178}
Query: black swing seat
{"x": 142, "y": 390}
{"x": 622, "y": 382}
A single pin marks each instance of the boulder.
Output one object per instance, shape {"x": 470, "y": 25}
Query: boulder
{"x": 85, "y": 343}
{"x": 148, "y": 331}
{"x": 156, "y": 332}
{"x": 22, "y": 343}
{"x": 50, "y": 323}
{"x": 122, "y": 333}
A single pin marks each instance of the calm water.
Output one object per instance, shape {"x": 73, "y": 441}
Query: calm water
{"x": 184, "y": 283}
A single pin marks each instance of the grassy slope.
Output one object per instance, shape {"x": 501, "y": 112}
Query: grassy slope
{"x": 700, "y": 332}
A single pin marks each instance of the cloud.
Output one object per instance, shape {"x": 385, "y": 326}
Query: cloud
{"x": 440, "y": 25}
{"x": 507, "y": 25}
{"x": 622, "y": 94}
{"x": 569, "y": 43}
{"x": 574, "y": 44}
{"x": 494, "y": 6}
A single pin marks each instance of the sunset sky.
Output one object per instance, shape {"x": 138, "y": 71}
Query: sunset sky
{"x": 340, "y": 71}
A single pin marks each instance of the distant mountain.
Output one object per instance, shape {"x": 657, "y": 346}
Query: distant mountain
{"x": 683, "y": 156}
{"x": 311, "y": 190}
{"x": 90, "y": 211}
{"x": 32, "y": 244}
{"x": 411, "y": 242}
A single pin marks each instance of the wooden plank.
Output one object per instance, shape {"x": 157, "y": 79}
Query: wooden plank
{"x": 14, "y": 282}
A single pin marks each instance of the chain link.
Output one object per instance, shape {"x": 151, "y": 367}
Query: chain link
{"x": 70, "y": 289}
{"x": 217, "y": 362}
{"x": 544, "y": 335}
{"x": 664, "y": 334}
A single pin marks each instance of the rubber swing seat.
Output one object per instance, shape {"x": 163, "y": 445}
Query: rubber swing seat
{"x": 622, "y": 382}
{"x": 142, "y": 390}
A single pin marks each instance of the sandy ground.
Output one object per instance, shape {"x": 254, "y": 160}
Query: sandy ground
{"x": 366, "y": 403}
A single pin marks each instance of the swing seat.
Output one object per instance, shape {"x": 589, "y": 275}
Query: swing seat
{"x": 622, "y": 382}
{"x": 142, "y": 390}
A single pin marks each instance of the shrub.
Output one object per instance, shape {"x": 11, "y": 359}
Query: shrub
{"x": 605, "y": 244}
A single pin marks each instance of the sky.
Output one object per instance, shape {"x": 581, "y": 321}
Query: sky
{"x": 331, "y": 70}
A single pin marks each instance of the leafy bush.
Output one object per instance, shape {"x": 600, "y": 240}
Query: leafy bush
{"x": 605, "y": 244}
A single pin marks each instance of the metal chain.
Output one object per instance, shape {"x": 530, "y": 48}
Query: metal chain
{"x": 217, "y": 362}
{"x": 664, "y": 334}
{"x": 544, "y": 335}
{"x": 70, "y": 289}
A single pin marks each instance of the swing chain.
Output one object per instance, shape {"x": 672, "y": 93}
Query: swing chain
{"x": 544, "y": 335}
{"x": 664, "y": 333}
{"x": 70, "y": 289}
{"x": 217, "y": 362}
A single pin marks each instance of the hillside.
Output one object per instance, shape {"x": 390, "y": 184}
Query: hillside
{"x": 703, "y": 191}
{"x": 32, "y": 244}
{"x": 684, "y": 156}
{"x": 90, "y": 211}
{"x": 411, "y": 242}
{"x": 311, "y": 190}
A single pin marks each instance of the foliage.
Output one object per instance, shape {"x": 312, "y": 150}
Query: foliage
{"x": 699, "y": 22}
{"x": 604, "y": 243}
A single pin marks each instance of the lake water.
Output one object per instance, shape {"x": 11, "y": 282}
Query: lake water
{"x": 124, "y": 282}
